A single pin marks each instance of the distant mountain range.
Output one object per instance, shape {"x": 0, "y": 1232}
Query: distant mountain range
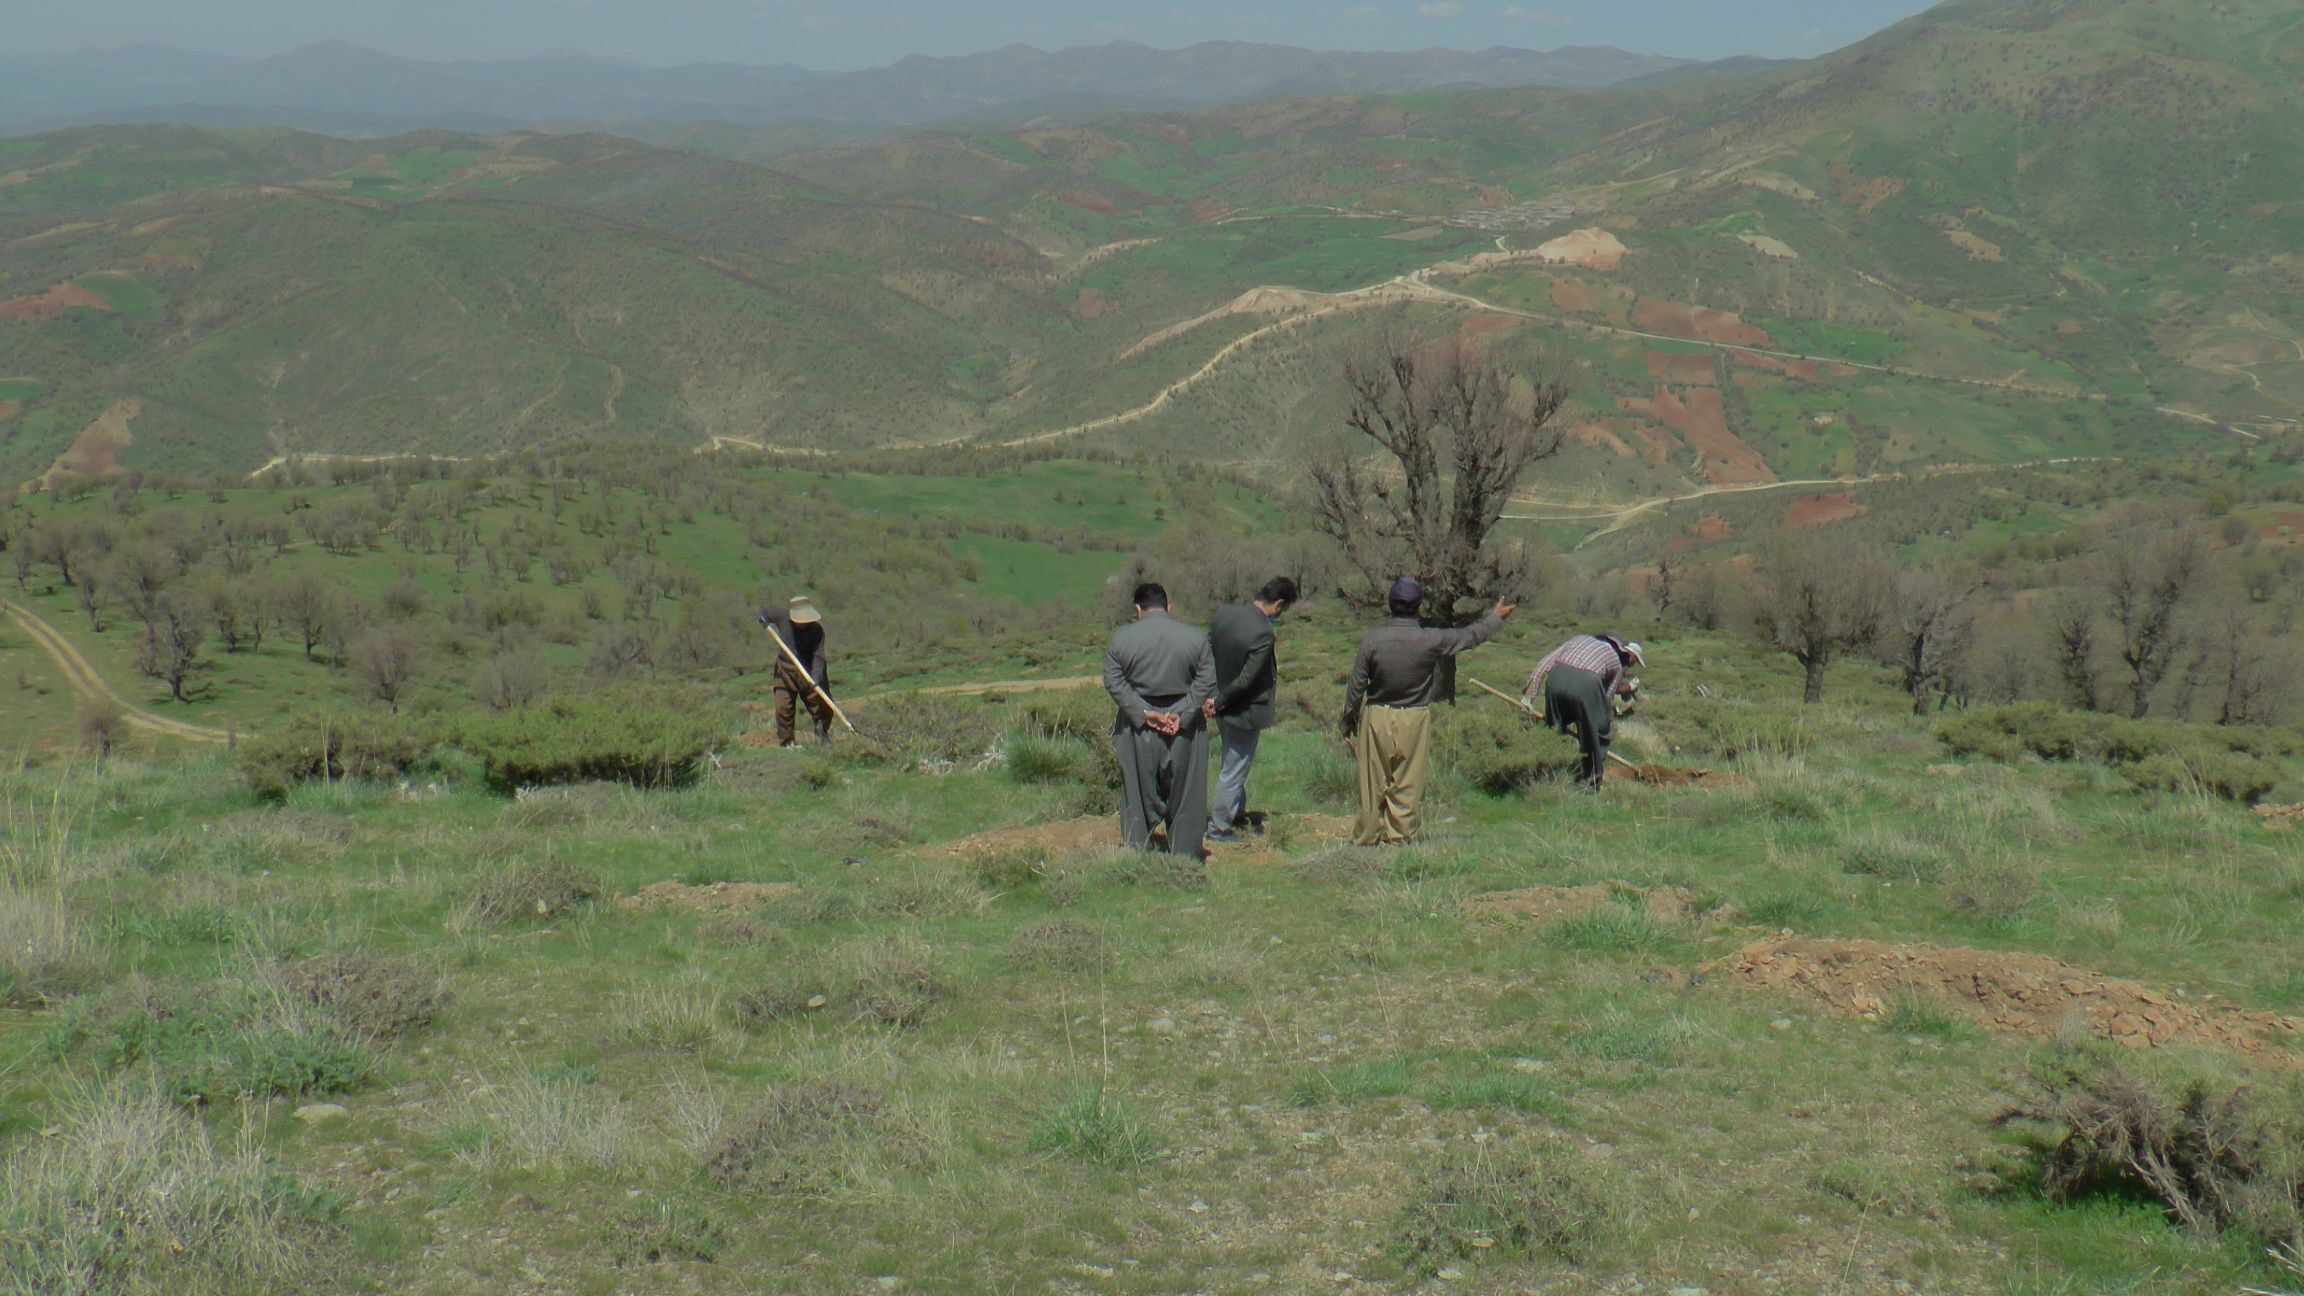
{"x": 348, "y": 89}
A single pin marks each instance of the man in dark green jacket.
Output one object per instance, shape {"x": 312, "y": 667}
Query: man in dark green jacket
{"x": 1247, "y": 694}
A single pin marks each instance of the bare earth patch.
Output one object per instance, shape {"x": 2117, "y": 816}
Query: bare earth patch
{"x": 1591, "y": 248}
{"x": 10, "y": 409}
{"x": 1817, "y": 510}
{"x": 1550, "y": 904}
{"x": 715, "y": 898}
{"x": 2028, "y": 994}
{"x": 1864, "y": 192}
{"x": 1088, "y": 832}
{"x": 1696, "y": 323}
{"x": 1702, "y": 421}
{"x": 1689, "y": 370}
{"x": 1769, "y": 247}
{"x": 52, "y": 303}
{"x": 1676, "y": 776}
{"x": 95, "y": 451}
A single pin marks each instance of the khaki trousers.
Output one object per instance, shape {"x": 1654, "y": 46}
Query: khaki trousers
{"x": 792, "y": 691}
{"x": 1395, "y": 746}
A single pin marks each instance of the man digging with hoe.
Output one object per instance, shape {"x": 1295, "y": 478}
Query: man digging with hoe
{"x": 797, "y": 633}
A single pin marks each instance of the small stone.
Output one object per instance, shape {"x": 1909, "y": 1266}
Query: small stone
{"x": 320, "y": 1113}
{"x": 1688, "y": 1291}
{"x": 1340, "y": 1276}
{"x": 1198, "y": 1207}
{"x": 1450, "y": 1275}
{"x": 1161, "y": 1025}
{"x": 1095, "y": 1271}
{"x": 1527, "y": 1066}
{"x": 889, "y": 1282}
{"x": 817, "y": 1001}
{"x": 1781, "y": 1023}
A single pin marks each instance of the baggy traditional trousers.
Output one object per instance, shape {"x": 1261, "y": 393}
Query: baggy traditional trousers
{"x": 1164, "y": 784}
{"x": 791, "y": 689}
{"x": 1395, "y": 747}
{"x": 1575, "y": 702}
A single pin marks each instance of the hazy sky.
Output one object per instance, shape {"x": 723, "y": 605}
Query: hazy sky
{"x": 844, "y": 34}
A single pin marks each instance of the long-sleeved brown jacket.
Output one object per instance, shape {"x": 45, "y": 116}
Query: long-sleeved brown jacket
{"x": 1399, "y": 663}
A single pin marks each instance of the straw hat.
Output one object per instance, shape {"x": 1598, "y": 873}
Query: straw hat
{"x": 803, "y": 611}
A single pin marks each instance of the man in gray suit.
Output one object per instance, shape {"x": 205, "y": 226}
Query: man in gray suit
{"x": 1247, "y": 694}
{"x": 1159, "y": 673}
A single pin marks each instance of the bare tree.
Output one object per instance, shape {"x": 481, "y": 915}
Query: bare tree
{"x": 385, "y": 663}
{"x": 170, "y": 652}
{"x": 2147, "y": 575}
{"x": 1926, "y": 626}
{"x": 1459, "y": 440}
{"x": 512, "y": 678}
{"x": 2247, "y": 671}
{"x": 2072, "y": 619}
{"x": 305, "y": 604}
{"x": 1817, "y": 600}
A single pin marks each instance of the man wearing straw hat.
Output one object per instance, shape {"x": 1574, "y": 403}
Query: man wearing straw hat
{"x": 1578, "y": 683}
{"x": 801, "y": 628}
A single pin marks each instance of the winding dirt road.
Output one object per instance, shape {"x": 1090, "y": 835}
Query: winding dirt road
{"x": 82, "y": 676}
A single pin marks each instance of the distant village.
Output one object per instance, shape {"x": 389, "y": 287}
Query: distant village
{"x": 1533, "y": 214}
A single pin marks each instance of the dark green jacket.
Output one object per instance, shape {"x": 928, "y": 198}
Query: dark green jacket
{"x": 1247, "y": 672}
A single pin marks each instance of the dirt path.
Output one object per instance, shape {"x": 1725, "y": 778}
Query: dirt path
{"x": 82, "y": 676}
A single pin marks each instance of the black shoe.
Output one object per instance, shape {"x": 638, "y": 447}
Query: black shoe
{"x": 1217, "y": 833}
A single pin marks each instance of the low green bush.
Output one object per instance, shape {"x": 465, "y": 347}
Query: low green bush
{"x": 2230, "y": 761}
{"x": 636, "y": 734}
{"x": 318, "y": 745}
{"x": 1498, "y": 749}
{"x": 1735, "y": 728}
{"x": 216, "y": 1040}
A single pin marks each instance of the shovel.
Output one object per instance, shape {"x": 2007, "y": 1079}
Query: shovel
{"x": 1533, "y": 714}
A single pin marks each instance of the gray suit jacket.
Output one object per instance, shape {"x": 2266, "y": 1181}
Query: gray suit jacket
{"x": 1247, "y": 674}
{"x": 1158, "y": 657}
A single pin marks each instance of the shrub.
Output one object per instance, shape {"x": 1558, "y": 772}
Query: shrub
{"x": 1014, "y": 867}
{"x": 322, "y": 745}
{"x": 895, "y": 984}
{"x": 1516, "y": 1201}
{"x": 1884, "y": 855}
{"x": 531, "y": 889}
{"x": 222, "y": 1039}
{"x": 927, "y": 728}
{"x": 1500, "y": 750}
{"x": 129, "y": 1194}
{"x": 796, "y": 1140}
{"x": 1610, "y": 929}
{"x": 1734, "y": 728}
{"x": 1081, "y": 714}
{"x": 381, "y": 998}
{"x": 2212, "y": 1157}
{"x": 648, "y": 737}
{"x": 1036, "y": 758}
{"x": 2231, "y": 761}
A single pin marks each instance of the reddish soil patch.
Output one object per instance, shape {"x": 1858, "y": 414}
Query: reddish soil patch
{"x": 52, "y": 303}
{"x": 1703, "y": 422}
{"x": 1097, "y": 203}
{"x": 2281, "y": 818}
{"x": 95, "y": 452}
{"x": 1384, "y": 119}
{"x": 155, "y": 261}
{"x": 1176, "y": 135}
{"x": 1573, "y": 294}
{"x": 1593, "y": 249}
{"x": 1599, "y": 432}
{"x": 2284, "y": 528}
{"x": 717, "y": 898}
{"x": 1862, "y": 192}
{"x": 2069, "y": 328}
{"x": 1693, "y": 370}
{"x": 10, "y": 409}
{"x": 1480, "y": 326}
{"x": 2028, "y": 994}
{"x": 1205, "y": 210}
{"x": 1550, "y": 904}
{"x": 1087, "y": 833}
{"x": 1695, "y": 323}
{"x": 1817, "y": 510}
{"x": 1093, "y": 303}
{"x": 1713, "y": 529}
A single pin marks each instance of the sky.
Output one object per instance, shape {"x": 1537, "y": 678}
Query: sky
{"x": 841, "y": 35}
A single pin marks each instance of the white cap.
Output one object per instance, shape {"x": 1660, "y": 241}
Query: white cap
{"x": 1632, "y": 650}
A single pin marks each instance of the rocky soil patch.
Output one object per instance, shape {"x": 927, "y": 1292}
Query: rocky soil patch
{"x": 714, "y": 898}
{"x": 2028, "y": 994}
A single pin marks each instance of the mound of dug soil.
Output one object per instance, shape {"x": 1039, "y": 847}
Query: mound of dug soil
{"x": 711, "y": 898}
{"x": 1550, "y": 904}
{"x": 2029, "y": 994}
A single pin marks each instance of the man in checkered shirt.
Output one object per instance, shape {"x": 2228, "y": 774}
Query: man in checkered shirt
{"x": 1578, "y": 683}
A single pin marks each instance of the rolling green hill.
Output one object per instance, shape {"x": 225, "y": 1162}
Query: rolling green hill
{"x": 1994, "y": 233}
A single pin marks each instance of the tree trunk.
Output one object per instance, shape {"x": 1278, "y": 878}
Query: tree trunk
{"x": 1815, "y": 689}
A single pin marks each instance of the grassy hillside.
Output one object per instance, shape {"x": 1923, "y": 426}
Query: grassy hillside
{"x": 946, "y": 1041}
{"x": 1936, "y": 223}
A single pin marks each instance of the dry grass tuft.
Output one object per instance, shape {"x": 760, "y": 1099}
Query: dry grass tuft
{"x": 529, "y": 889}
{"x": 1061, "y": 945}
{"x": 42, "y": 954}
{"x": 798, "y": 1140}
